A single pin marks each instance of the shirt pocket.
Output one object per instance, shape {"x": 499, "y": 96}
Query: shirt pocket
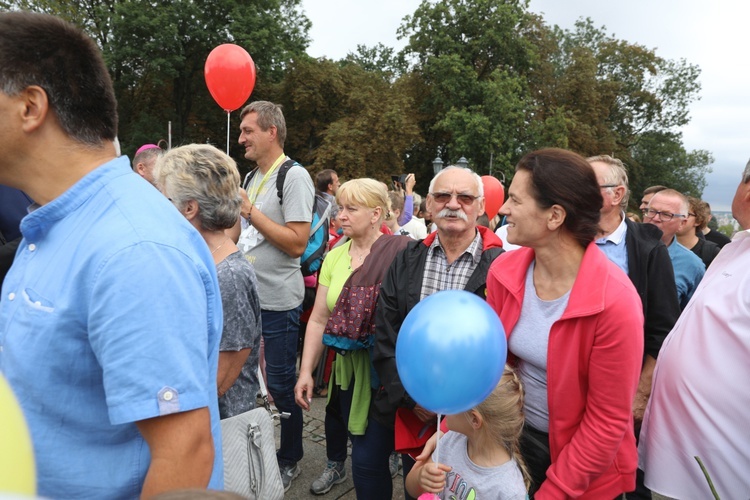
{"x": 37, "y": 302}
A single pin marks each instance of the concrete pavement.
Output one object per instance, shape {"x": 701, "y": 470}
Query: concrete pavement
{"x": 314, "y": 461}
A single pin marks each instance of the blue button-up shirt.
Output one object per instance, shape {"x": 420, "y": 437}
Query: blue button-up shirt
{"x": 613, "y": 246}
{"x": 110, "y": 315}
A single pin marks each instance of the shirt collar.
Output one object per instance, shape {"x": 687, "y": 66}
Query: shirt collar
{"x": 474, "y": 249}
{"x": 42, "y": 218}
{"x": 617, "y": 235}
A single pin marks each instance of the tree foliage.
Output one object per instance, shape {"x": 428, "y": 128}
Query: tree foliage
{"x": 498, "y": 82}
{"x": 473, "y": 64}
{"x": 660, "y": 158}
{"x": 347, "y": 117}
{"x": 156, "y": 51}
{"x": 484, "y": 79}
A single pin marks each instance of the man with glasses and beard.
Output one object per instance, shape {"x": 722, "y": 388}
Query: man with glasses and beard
{"x": 455, "y": 257}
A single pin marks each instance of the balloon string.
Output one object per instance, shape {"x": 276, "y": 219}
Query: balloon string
{"x": 228, "y": 133}
{"x": 437, "y": 444}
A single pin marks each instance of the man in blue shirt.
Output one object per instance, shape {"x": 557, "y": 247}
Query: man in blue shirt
{"x": 111, "y": 318}
{"x": 637, "y": 249}
{"x": 668, "y": 210}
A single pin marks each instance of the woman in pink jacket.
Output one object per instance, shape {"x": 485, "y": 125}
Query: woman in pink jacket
{"x": 575, "y": 331}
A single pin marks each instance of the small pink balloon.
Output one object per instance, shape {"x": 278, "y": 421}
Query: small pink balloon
{"x": 428, "y": 496}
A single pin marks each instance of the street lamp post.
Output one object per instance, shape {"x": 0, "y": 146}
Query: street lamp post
{"x": 437, "y": 165}
{"x": 463, "y": 162}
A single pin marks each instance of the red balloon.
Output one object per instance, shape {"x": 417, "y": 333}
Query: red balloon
{"x": 494, "y": 195}
{"x": 230, "y": 76}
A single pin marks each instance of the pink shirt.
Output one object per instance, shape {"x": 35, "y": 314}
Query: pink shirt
{"x": 700, "y": 401}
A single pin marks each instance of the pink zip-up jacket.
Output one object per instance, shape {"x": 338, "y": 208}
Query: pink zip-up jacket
{"x": 593, "y": 365}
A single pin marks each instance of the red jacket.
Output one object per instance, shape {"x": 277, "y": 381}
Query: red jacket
{"x": 593, "y": 365}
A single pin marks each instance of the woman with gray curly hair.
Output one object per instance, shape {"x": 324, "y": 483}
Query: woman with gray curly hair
{"x": 202, "y": 183}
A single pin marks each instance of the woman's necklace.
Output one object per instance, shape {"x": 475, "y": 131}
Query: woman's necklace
{"x": 359, "y": 258}
{"x": 220, "y": 245}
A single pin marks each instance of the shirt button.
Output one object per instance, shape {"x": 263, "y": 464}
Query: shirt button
{"x": 32, "y": 247}
{"x": 11, "y": 296}
{"x": 168, "y": 396}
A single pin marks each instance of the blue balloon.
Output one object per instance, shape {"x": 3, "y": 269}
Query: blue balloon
{"x": 450, "y": 352}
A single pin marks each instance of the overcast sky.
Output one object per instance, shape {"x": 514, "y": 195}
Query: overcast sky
{"x": 713, "y": 35}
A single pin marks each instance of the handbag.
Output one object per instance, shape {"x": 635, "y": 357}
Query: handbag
{"x": 250, "y": 466}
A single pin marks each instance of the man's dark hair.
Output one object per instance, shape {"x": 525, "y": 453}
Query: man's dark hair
{"x": 323, "y": 179}
{"x": 560, "y": 177}
{"x": 42, "y": 50}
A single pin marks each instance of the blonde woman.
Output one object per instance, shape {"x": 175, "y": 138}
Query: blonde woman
{"x": 363, "y": 205}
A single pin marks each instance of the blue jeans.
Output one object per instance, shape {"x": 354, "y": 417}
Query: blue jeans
{"x": 370, "y": 453}
{"x": 280, "y": 334}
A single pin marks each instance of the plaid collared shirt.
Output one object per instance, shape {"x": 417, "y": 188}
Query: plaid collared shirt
{"x": 439, "y": 275}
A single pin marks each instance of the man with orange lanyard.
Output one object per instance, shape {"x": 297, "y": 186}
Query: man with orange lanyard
{"x": 273, "y": 238}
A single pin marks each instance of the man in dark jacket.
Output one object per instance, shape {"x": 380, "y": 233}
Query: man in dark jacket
{"x": 456, "y": 256}
{"x": 13, "y": 206}
{"x": 638, "y": 250}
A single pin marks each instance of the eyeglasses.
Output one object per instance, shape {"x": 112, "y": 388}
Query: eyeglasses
{"x": 664, "y": 216}
{"x": 463, "y": 199}
{"x": 690, "y": 214}
{"x": 604, "y": 186}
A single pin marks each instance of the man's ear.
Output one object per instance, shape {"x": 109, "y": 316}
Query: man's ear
{"x": 36, "y": 107}
{"x": 620, "y": 192}
{"x": 746, "y": 192}
{"x": 273, "y": 131}
{"x": 429, "y": 204}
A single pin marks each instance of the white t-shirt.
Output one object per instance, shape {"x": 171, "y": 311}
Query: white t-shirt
{"x": 416, "y": 228}
{"x": 502, "y": 233}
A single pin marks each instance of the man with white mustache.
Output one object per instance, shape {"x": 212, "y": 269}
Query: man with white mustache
{"x": 455, "y": 257}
